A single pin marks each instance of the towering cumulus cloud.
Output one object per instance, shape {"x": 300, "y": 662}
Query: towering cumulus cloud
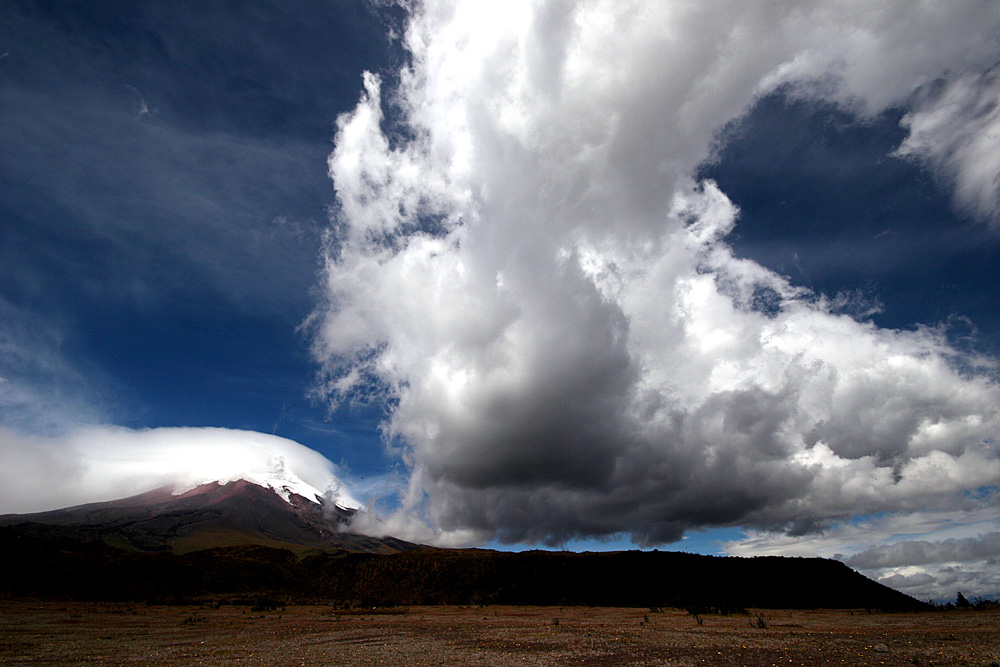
{"x": 525, "y": 272}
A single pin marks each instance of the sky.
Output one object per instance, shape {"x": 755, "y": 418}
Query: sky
{"x": 718, "y": 277}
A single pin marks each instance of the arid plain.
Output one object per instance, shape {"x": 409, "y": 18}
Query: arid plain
{"x": 80, "y": 633}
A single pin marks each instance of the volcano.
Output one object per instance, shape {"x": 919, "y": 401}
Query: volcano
{"x": 231, "y": 513}
{"x": 237, "y": 537}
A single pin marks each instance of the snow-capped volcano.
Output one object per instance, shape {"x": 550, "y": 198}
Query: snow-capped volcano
{"x": 278, "y": 510}
{"x": 277, "y": 476}
{"x": 186, "y": 489}
{"x": 102, "y": 463}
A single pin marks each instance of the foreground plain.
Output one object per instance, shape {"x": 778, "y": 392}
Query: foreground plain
{"x": 80, "y": 633}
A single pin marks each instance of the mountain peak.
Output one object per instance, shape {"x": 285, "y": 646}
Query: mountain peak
{"x": 275, "y": 474}
{"x": 218, "y": 513}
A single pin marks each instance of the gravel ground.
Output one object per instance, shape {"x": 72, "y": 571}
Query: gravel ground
{"x": 73, "y": 633}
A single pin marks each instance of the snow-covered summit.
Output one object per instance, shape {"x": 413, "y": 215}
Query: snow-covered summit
{"x": 104, "y": 463}
{"x": 190, "y": 457}
{"x": 275, "y": 474}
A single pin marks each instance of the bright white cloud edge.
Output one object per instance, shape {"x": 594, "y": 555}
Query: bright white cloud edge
{"x": 572, "y": 347}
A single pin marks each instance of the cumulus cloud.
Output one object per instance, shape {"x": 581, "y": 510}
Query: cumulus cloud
{"x": 524, "y": 272}
{"x": 943, "y": 581}
{"x": 98, "y": 463}
{"x": 930, "y": 555}
{"x": 922, "y": 552}
{"x": 935, "y": 569}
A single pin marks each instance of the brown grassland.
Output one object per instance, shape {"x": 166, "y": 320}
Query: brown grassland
{"x": 83, "y": 633}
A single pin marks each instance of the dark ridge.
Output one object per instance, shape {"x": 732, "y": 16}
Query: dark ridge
{"x": 627, "y": 578}
{"x": 48, "y": 561}
{"x": 239, "y": 538}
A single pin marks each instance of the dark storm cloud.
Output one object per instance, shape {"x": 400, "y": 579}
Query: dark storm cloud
{"x": 576, "y": 350}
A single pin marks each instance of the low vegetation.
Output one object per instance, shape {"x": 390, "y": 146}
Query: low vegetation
{"x": 55, "y": 566}
{"x": 88, "y": 633}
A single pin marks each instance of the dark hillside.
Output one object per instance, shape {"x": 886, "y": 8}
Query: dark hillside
{"x": 237, "y": 513}
{"x": 631, "y": 578}
{"x": 48, "y": 561}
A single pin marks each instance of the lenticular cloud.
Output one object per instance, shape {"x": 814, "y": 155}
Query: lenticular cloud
{"x": 525, "y": 273}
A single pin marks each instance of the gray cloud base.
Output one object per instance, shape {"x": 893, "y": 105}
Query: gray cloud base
{"x": 572, "y": 349}
{"x": 923, "y": 552}
{"x": 936, "y": 569}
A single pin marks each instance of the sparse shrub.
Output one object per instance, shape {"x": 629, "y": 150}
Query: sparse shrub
{"x": 176, "y": 601}
{"x": 700, "y": 609}
{"x": 697, "y": 610}
{"x": 982, "y": 604}
{"x": 373, "y": 611}
{"x": 265, "y": 603}
{"x": 727, "y": 609}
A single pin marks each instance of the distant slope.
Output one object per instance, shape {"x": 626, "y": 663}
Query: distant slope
{"x": 240, "y": 538}
{"x": 628, "y": 578}
{"x": 238, "y": 513}
{"x": 46, "y": 563}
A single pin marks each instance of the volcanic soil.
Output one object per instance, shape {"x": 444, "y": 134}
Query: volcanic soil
{"x": 80, "y": 633}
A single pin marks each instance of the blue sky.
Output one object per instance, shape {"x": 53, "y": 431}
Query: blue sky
{"x": 165, "y": 193}
{"x": 514, "y": 314}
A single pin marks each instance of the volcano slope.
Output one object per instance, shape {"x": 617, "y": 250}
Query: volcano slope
{"x": 216, "y": 514}
{"x": 240, "y": 538}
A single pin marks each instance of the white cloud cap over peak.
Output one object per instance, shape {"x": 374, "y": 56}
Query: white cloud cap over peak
{"x": 106, "y": 463}
{"x": 546, "y": 301}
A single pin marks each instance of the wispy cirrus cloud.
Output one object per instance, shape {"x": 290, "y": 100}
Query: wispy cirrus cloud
{"x": 145, "y": 210}
{"x": 150, "y": 151}
{"x": 955, "y": 126}
{"x": 42, "y": 389}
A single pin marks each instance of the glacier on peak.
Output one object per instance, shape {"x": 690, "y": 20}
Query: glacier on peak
{"x": 104, "y": 463}
{"x": 276, "y": 475}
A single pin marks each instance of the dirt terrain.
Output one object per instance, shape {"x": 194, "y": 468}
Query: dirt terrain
{"x": 76, "y": 633}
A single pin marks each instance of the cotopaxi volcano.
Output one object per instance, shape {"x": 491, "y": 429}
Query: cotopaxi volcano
{"x": 239, "y": 537}
{"x": 282, "y": 512}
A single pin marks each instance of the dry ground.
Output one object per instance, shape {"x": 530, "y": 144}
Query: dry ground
{"x": 61, "y": 633}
